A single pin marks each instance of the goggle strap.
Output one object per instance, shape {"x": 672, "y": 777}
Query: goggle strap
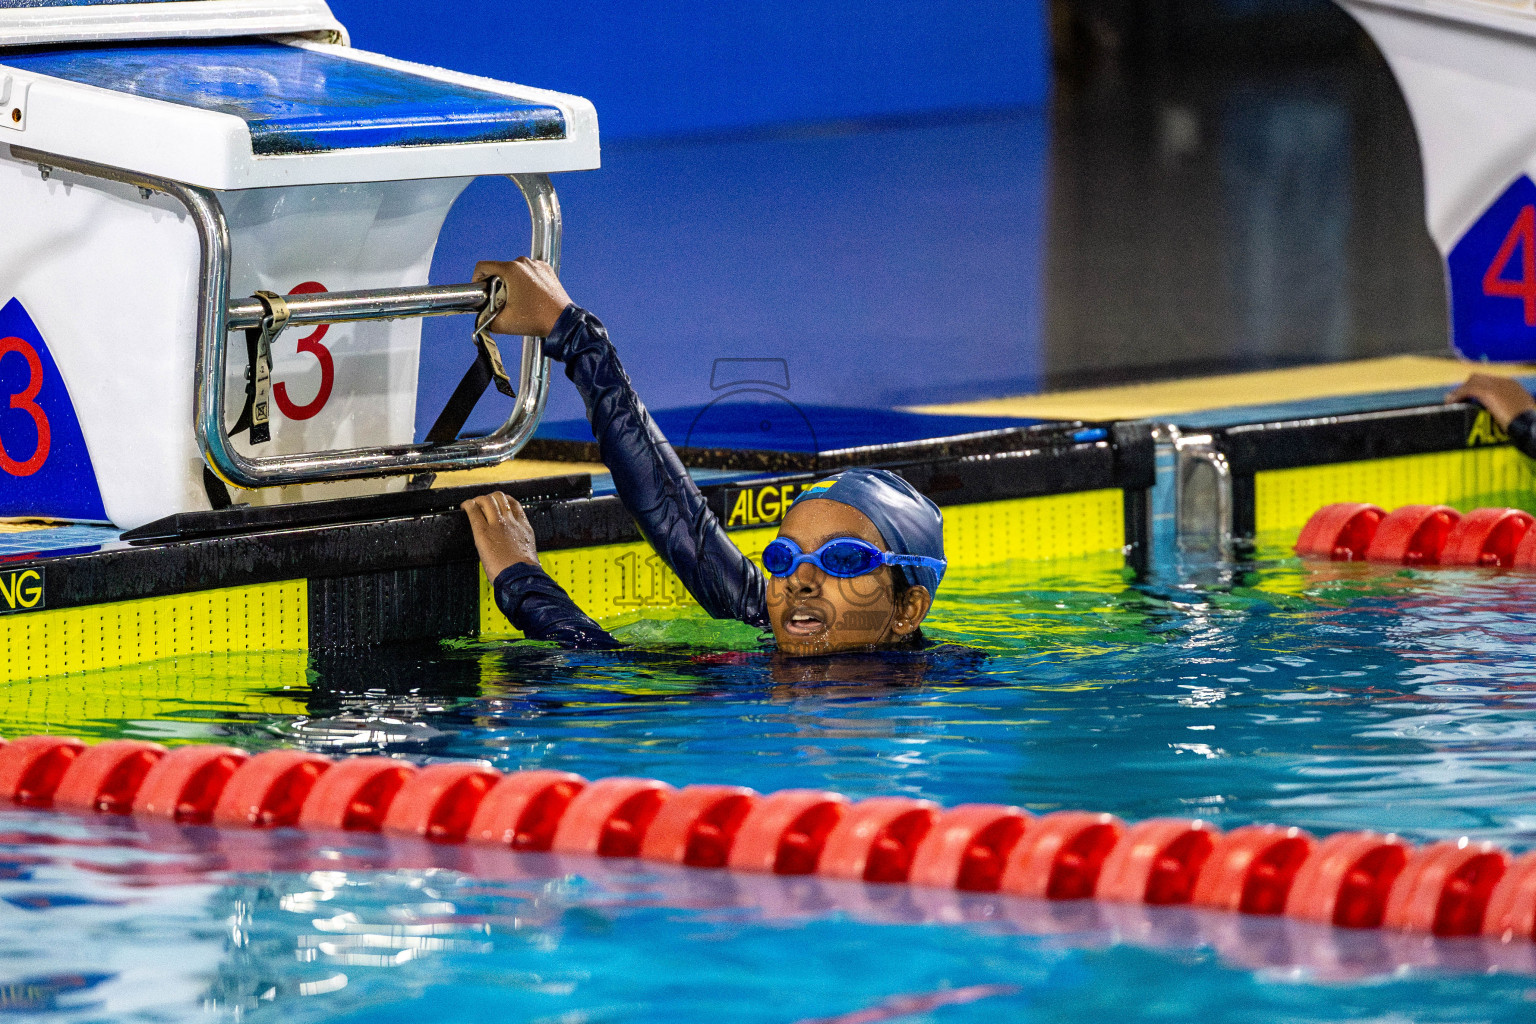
{"x": 938, "y": 565}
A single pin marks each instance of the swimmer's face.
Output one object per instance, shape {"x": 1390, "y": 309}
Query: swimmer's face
{"x": 813, "y": 613}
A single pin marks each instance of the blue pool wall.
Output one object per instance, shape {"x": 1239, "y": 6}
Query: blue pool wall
{"x": 858, "y": 189}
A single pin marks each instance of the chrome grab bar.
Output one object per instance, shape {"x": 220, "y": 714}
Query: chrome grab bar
{"x": 376, "y": 304}
{"x": 218, "y": 316}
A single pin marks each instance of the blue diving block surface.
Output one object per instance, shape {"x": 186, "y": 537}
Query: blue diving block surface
{"x": 296, "y": 100}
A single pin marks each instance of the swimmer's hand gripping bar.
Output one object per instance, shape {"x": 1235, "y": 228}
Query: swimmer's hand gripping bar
{"x": 218, "y": 316}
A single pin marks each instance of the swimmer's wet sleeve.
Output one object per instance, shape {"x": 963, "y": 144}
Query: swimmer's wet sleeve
{"x": 542, "y": 609}
{"x": 1522, "y": 433}
{"x": 651, "y": 481}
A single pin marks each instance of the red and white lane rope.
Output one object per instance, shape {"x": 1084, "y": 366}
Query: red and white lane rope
{"x": 1359, "y": 880}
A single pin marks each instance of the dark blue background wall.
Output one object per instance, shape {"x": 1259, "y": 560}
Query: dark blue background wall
{"x": 666, "y": 68}
{"x": 858, "y": 188}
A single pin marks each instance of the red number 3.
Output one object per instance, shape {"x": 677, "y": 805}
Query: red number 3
{"x": 26, "y": 401}
{"x": 309, "y": 343}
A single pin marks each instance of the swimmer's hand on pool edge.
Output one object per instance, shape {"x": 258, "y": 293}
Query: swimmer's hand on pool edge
{"x": 1502, "y": 397}
{"x": 503, "y": 535}
{"x": 535, "y": 297}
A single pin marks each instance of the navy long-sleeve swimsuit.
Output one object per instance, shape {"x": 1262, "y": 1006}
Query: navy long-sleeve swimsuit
{"x": 655, "y": 489}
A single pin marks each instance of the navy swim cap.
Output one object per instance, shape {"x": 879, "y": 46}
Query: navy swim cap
{"x": 910, "y": 523}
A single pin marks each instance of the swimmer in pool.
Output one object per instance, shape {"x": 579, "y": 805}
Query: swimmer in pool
{"x": 856, "y": 564}
{"x": 1510, "y": 405}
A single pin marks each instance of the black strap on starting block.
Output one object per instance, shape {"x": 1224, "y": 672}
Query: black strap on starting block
{"x": 462, "y": 402}
{"x": 257, "y": 413}
{"x": 486, "y": 368}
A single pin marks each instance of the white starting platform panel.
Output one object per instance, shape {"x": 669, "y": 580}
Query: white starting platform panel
{"x": 1468, "y": 71}
{"x": 219, "y": 222}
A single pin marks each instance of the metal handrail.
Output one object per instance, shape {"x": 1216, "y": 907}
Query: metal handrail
{"x": 218, "y": 316}
{"x": 373, "y": 304}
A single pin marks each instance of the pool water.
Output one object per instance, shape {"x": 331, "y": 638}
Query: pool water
{"x": 1324, "y": 696}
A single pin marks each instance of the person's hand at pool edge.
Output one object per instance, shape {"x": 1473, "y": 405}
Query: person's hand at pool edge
{"x": 1507, "y": 401}
{"x": 503, "y": 535}
{"x": 1503, "y": 397}
{"x": 533, "y": 602}
{"x": 535, "y": 297}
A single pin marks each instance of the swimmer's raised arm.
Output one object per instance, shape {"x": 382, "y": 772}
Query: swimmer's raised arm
{"x": 647, "y": 474}
{"x": 1504, "y": 398}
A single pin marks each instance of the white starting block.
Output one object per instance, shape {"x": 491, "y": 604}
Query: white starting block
{"x": 218, "y": 221}
{"x": 1468, "y": 71}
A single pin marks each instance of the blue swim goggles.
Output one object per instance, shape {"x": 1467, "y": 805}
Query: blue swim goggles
{"x": 843, "y": 557}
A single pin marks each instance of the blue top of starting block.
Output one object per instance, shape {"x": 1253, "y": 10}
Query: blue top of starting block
{"x": 296, "y": 100}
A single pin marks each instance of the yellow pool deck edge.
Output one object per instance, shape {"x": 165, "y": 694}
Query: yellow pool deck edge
{"x": 1231, "y": 390}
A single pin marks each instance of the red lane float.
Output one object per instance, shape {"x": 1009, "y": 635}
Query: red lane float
{"x": 1445, "y": 888}
{"x": 355, "y": 795}
{"x": 1251, "y": 870}
{"x": 1341, "y": 532}
{"x": 877, "y": 839}
{"x": 106, "y": 777}
{"x": 1347, "y": 879}
{"x": 185, "y": 785}
{"x": 439, "y": 802}
{"x": 1487, "y": 536}
{"x": 32, "y": 767}
{"x": 697, "y": 825}
{"x": 1413, "y": 535}
{"x": 1061, "y": 856}
{"x": 786, "y": 831}
{"x": 1511, "y": 912}
{"x": 1525, "y": 554}
{"x": 609, "y": 818}
{"x": 524, "y": 809}
{"x": 968, "y": 847}
{"x": 1157, "y": 862}
{"x": 269, "y": 790}
{"x": 1351, "y": 879}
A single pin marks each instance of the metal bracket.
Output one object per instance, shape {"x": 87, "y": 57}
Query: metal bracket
{"x": 1203, "y": 495}
{"x": 259, "y": 340}
{"x": 218, "y": 316}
